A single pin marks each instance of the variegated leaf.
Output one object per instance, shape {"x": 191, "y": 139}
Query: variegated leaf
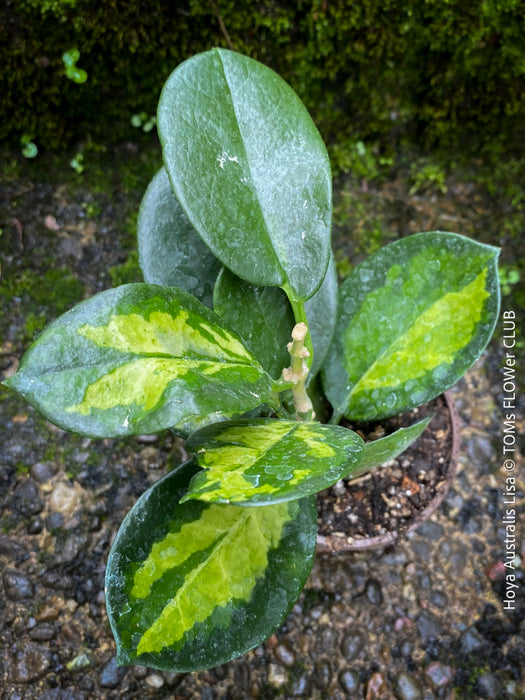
{"x": 191, "y": 586}
{"x": 377, "y": 452}
{"x": 171, "y": 252}
{"x": 263, "y": 461}
{"x": 137, "y": 359}
{"x": 412, "y": 319}
{"x": 249, "y": 168}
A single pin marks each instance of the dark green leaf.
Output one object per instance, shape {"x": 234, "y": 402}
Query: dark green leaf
{"x": 249, "y": 168}
{"x": 263, "y": 461}
{"x": 137, "y": 359}
{"x": 171, "y": 252}
{"x": 412, "y": 319}
{"x": 192, "y": 586}
{"x": 263, "y": 318}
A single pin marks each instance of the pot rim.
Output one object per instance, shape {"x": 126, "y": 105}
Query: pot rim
{"x": 341, "y": 543}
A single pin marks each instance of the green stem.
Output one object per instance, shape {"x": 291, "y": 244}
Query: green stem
{"x": 299, "y": 313}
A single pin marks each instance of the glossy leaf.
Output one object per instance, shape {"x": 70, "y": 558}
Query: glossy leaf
{"x": 377, "y": 452}
{"x": 191, "y": 586}
{"x": 249, "y": 168}
{"x": 137, "y": 359}
{"x": 171, "y": 252}
{"x": 412, "y": 319}
{"x": 263, "y": 318}
{"x": 269, "y": 461}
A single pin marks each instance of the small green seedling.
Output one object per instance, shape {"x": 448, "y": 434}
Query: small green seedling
{"x": 232, "y": 342}
{"x": 72, "y": 71}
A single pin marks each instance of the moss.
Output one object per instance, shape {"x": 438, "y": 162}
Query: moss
{"x": 39, "y": 298}
{"x": 443, "y": 73}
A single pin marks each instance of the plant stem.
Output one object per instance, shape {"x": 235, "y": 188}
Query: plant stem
{"x": 298, "y": 371}
{"x": 299, "y": 313}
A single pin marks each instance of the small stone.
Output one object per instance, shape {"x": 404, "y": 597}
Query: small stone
{"x": 43, "y": 471}
{"x": 300, "y": 688}
{"x": 43, "y": 632}
{"x": 481, "y": 452}
{"x": 349, "y": 681}
{"x": 373, "y": 592}
{"x": 322, "y": 674}
{"x": 47, "y": 614}
{"x": 26, "y": 499}
{"x": 17, "y": 586}
{"x": 111, "y": 674}
{"x": 35, "y": 526}
{"x": 430, "y": 530}
{"x": 406, "y": 687}
{"x": 439, "y": 674}
{"x": 428, "y": 625}
{"x": 139, "y": 672}
{"x": 79, "y": 663}
{"x": 277, "y": 675}
{"x": 284, "y": 655}
{"x": 328, "y": 638}
{"x": 376, "y": 686}
{"x": 488, "y": 686}
{"x": 352, "y": 645}
{"x": 439, "y": 599}
{"x": 155, "y": 681}
{"x": 31, "y": 663}
{"x": 65, "y": 499}
{"x": 471, "y": 640}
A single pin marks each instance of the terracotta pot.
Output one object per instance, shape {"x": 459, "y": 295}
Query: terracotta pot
{"x": 340, "y": 543}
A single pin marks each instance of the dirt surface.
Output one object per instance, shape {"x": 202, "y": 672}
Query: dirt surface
{"x": 389, "y": 499}
{"x": 424, "y": 619}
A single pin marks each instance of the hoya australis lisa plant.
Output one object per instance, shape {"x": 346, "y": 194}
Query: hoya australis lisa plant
{"x": 232, "y": 341}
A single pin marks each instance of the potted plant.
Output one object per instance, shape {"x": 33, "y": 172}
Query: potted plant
{"x": 212, "y": 557}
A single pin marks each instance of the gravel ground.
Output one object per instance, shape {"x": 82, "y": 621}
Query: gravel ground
{"x": 422, "y": 620}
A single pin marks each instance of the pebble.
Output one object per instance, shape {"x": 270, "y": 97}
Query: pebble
{"x": 373, "y": 592}
{"x": 111, "y": 674}
{"x": 17, "y": 586}
{"x": 65, "y": 499}
{"x": 481, "y": 452}
{"x": 471, "y": 640}
{"x": 431, "y": 530}
{"x": 43, "y": 632}
{"x": 439, "y": 599}
{"x": 406, "y": 687}
{"x": 489, "y": 686}
{"x": 43, "y": 471}
{"x": 439, "y": 674}
{"x": 155, "y": 681}
{"x": 277, "y": 675}
{"x": 79, "y": 663}
{"x": 301, "y": 686}
{"x": 285, "y": 655}
{"x": 31, "y": 663}
{"x": 428, "y": 625}
{"x": 47, "y": 613}
{"x": 26, "y": 500}
{"x": 376, "y": 686}
{"x": 328, "y": 638}
{"x": 352, "y": 645}
{"x": 349, "y": 681}
{"x": 322, "y": 674}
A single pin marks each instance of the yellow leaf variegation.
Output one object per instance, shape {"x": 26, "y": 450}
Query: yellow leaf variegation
{"x": 252, "y": 462}
{"x": 412, "y": 319}
{"x": 138, "y": 359}
{"x": 189, "y": 586}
